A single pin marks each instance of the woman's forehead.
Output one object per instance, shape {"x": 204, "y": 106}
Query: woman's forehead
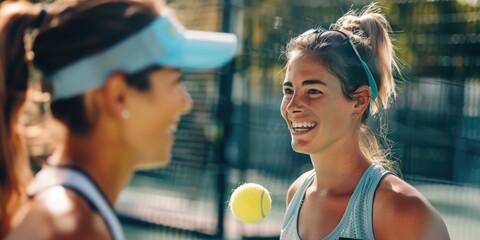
{"x": 303, "y": 67}
{"x": 305, "y": 63}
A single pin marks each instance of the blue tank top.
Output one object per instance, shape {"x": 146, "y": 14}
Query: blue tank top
{"x": 80, "y": 182}
{"x": 356, "y": 222}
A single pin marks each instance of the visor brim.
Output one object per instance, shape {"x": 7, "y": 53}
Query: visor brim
{"x": 201, "y": 50}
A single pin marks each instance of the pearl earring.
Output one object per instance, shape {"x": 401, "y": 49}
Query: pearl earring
{"x": 355, "y": 115}
{"x": 125, "y": 114}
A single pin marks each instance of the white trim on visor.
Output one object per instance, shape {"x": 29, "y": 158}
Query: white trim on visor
{"x": 163, "y": 42}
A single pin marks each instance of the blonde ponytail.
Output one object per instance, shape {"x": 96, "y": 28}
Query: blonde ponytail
{"x": 371, "y": 28}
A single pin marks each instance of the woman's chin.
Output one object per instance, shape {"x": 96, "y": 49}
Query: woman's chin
{"x": 301, "y": 151}
{"x": 300, "y": 148}
{"x": 159, "y": 162}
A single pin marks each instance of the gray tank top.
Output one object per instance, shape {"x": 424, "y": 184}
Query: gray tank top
{"x": 356, "y": 222}
{"x": 80, "y": 182}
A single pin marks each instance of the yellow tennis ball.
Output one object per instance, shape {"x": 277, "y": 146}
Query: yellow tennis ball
{"x": 250, "y": 203}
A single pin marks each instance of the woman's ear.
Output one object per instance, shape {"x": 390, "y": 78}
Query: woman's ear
{"x": 114, "y": 94}
{"x": 362, "y": 98}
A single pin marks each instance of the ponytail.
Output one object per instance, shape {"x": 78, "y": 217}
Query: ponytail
{"x": 15, "y": 19}
{"x": 370, "y": 31}
{"x": 370, "y": 27}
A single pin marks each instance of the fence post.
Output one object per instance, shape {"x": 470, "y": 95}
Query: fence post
{"x": 223, "y": 116}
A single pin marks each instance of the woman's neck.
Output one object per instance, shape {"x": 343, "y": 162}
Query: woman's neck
{"x": 338, "y": 168}
{"x": 110, "y": 167}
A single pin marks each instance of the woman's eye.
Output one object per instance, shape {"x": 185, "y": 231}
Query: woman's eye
{"x": 287, "y": 91}
{"x": 314, "y": 91}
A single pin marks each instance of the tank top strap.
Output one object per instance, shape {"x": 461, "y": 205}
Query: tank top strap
{"x": 80, "y": 182}
{"x": 289, "y": 226}
{"x": 358, "y": 216}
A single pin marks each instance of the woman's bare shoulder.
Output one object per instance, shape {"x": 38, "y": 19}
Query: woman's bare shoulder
{"x": 295, "y": 185}
{"x": 58, "y": 213}
{"x": 402, "y": 212}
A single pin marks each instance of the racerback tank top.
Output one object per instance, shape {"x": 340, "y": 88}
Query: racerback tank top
{"x": 356, "y": 222}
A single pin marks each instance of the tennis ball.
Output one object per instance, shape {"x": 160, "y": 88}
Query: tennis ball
{"x": 250, "y": 203}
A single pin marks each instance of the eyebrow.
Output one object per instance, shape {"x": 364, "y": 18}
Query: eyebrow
{"x": 306, "y": 82}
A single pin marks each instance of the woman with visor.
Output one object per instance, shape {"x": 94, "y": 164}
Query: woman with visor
{"x": 335, "y": 80}
{"x": 114, "y": 69}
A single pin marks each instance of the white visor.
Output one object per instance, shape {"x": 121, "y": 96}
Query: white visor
{"x": 164, "y": 42}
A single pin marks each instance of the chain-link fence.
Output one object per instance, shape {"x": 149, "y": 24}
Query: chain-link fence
{"x": 236, "y": 134}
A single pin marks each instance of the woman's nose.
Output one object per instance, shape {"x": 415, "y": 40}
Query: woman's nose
{"x": 296, "y": 104}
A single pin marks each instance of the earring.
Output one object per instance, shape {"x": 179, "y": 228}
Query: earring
{"x": 355, "y": 115}
{"x": 125, "y": 114}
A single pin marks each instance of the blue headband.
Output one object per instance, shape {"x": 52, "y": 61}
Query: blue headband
{"x": 371, "y": 80}
{"x": 164, "y": 42}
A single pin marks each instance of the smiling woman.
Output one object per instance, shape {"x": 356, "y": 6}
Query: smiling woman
{"x": 335, "y": 80}
{"x": 114, "y": 67}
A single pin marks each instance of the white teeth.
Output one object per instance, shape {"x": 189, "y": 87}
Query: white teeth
{"x": 303, "y": 124}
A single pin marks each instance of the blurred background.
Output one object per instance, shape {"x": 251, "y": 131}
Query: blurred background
{"x": 236, "y": 134}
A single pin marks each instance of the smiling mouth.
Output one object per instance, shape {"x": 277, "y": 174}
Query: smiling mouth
{"x": 302, "y": 126}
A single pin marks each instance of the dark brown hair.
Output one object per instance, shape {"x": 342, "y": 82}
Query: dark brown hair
{"x": 75, "y": 31}
{"x": 15, "y": 18}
